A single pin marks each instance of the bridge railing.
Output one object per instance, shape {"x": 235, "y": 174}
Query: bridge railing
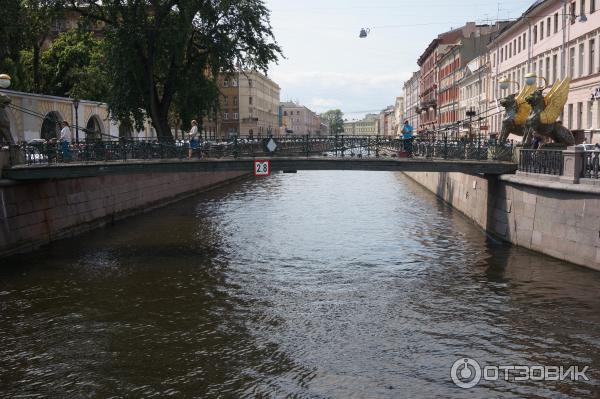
{"x": 125, "y": 149}
{"x": 591, "y": 164}
{"x": 542, "y": 161}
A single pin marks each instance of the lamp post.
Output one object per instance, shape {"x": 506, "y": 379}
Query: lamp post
{"x": 76, "y": 105}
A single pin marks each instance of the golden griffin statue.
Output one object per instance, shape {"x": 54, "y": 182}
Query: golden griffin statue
{"x": 517, "y": 111}
{"x": 545, "y": 110}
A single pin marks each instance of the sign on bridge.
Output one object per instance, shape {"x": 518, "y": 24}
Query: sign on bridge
{"x": 262, "y": 168}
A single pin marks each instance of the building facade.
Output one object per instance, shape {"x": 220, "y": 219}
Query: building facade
{"x": 473, "y": 93}
{"x": 368, "y": 126}
{"x": 411, "y": 101}
{"x": 249, "y": 105}
{"x": 299, "y": 120}
{"x": 398, "y": 120}
{"x": 554, "y": 39}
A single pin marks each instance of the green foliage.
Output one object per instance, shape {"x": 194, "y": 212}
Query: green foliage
{"x": 169, "y": 53}
{"x": 74, "y": 66}
{"x": 335, "y": 119}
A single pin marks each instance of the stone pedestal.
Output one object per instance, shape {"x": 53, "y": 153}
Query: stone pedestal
{"x": 572, "y": 164}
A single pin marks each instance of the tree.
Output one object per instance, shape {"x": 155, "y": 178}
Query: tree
{"x": 37, "y": 18}
{"x": 75, "y": 66}
{"x": 335, "y": 119}
{"x": 169, "y": 52}
{"x": 11, "y": 41}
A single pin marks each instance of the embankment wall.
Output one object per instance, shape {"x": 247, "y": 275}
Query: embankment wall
{"x": 558, "y": 219}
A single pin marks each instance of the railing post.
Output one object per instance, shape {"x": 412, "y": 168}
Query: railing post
{"x": 572, "y": 164}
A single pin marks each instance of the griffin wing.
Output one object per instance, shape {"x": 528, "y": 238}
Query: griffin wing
{"x": 555, "y": 101}
{"x": 523, "y": 107}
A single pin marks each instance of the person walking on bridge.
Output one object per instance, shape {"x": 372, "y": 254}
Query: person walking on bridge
{"x": 193, "y": 138}
{"x": 65, "y": 141}
{"x": 407, "y": 137}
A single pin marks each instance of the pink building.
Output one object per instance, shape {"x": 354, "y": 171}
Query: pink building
{"x": 554, "y": 39}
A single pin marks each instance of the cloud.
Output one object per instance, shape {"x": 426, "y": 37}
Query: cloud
{"x": 325, "y": 103}
{"x": 342, "y": 80}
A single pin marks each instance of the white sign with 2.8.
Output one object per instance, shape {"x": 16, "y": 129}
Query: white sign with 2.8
{"x": 262, "y": 168}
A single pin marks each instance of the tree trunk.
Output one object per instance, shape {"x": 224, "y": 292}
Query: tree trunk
{"x": 36, "y": 68}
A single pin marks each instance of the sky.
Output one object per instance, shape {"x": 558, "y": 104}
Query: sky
{"x": 328, "y": 66}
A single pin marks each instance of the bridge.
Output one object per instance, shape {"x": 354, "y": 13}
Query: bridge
{"x": 53, "y": 161}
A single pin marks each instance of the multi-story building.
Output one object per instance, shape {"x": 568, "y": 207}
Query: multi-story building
{"x": 299, "y": 120}
{"x": 554, "y": 39}
{"x": 249, "y": 105}
{"x": 441, "y": 65}
{"x": 398, "y": 116}
{"x": 386, "y": 121}
{"x": 473, "y": 88}
{"x": 411, "y": 101}
{"x": 368, "y": 126}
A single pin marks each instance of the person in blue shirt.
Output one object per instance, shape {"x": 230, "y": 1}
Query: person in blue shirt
{"x": 407, "y": 137}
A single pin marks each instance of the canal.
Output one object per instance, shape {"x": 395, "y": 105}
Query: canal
{"x": 308, "y": 285}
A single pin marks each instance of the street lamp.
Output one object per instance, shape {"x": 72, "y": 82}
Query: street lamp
{"x": 76, "y": 105}
{"x": 4, "y": 81}
{"x": 532, "y": 78}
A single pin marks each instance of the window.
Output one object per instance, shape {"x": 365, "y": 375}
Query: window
{"x": 510, "y": 53}
{"x": 592, "y": 6}
{"x": 226, "y": 83}
{"x": 547, "y": 75}
{"x": 234, "y": 82}
{"x": 581, "y": 58}
{"x": 284, "y": 113}
{"x": 572, "y": 12}
{"x": 570, "y": 116}
{"x": 556, "y": 23}
{"x": 582, "y": 7}
{"x": 554, "y": 67}
{"x": 547, "y": 26}
{"x": 579, "y": 115}
{"x": 541, "y": 30}
{"x": 250, "y": 83}
{"x": 590, "y": 121}
{"x": 519, "y": 44}
{"x": 541, "y": 71}
{"x": 250, "y": 100}
{"x": 235, "y": 115}
{"x": 572, "y": 62}
{"x": 535, "y": 34}
{"x": 592, "y": 65}
{"x": 524, "y": 36}
{"x": 501, "y": 54}
{"x": 515, "y": 47}
{"x": 225, "y": 116}
{"x": 225, "y": 100}
{"x": 235, "y": 101}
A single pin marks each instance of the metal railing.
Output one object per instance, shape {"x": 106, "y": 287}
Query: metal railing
{"x": 467, "y": 150}
{"x": 591, "y": 164}
{"x": 125, "y": 149}
{"x": 542, "y": 161}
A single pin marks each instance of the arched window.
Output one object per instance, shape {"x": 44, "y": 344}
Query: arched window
{"x": 51, "y": 125}
{"x": 93, "y": 129}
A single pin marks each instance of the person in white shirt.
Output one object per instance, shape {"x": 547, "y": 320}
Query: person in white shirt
{"x": 193, "y": 137}
{"x": 65, "y": 140}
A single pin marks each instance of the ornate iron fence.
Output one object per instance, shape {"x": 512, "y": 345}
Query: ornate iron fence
{"x": 542, "y": 161}
{"x": 591, "y": 164}
{"x": 42, "y": 152}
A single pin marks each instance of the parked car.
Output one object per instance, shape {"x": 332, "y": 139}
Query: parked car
{"x": 591, "y": 147}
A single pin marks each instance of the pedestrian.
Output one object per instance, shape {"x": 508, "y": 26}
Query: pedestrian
{"x": 536, "y": 143}
{"x": 193, "y": 138}
{"x": 407, "y": 137}
{"x": 65, "y": 141}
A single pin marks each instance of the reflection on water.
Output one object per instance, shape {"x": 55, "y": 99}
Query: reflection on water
{"x": 312, "y": 285}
